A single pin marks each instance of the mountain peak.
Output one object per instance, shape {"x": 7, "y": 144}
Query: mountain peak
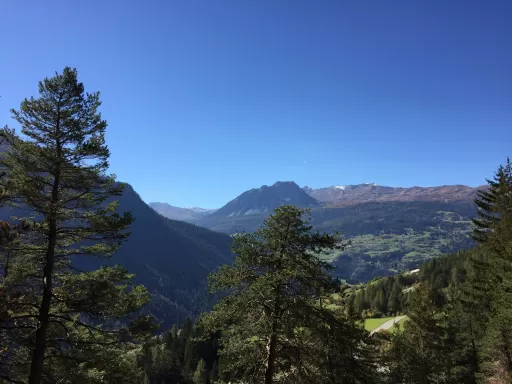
{"x": 285, "y": 183}
{"x": 264, "y": 200}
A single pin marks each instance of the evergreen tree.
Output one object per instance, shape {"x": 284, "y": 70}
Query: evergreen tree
{"x": 460, "y": 316}
{"x": 418, "y": 355}
{"x": 492, "y": 203}
{"x": 486, "y": 293}
{"x": 200, "y": 375}
{"x": 341, "y": 350}
{"x": 358, "y": 302}
{"x": 379, "y": 303}
{"x": 465, "y": 335}
{"x": 365, "y": 298}
{"x": 395, "y": 297}
{"x": 498, "y": 339}
{"x": 58, "y": 173}
{"x": 271, "y": 321}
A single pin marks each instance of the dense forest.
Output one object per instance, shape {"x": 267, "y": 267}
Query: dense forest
{"x": 274, "y": 321}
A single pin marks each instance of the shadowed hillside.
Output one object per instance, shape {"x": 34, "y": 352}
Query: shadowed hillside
{"x": 171, "y": 258}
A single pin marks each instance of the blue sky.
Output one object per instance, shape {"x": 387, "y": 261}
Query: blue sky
{"x": 206, "y": 99}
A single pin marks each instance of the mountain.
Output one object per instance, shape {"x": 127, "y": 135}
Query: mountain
{"x": 266, "y": 199}
{"x": 189, "y": 215}
{"x": 344, "y": 195}
{"x": 171, "y": 258}
{"x": 247, "y": 211}
{"x": 390, "y": 229}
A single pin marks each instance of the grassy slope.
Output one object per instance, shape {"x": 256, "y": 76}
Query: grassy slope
{"x": 371, "y": 324}
{"x": 385, "y": 253}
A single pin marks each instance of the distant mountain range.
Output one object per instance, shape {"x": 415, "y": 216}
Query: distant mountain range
{"x": 183, "y": 214}
{"x": 343, "y": 195}
{"x": 391, "y": 228}
{"x": 265, "y": 199}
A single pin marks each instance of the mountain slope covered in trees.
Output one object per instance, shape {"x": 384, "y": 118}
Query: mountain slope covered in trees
{"x": 170, "y": 258}
{"x": 457, "y": 329}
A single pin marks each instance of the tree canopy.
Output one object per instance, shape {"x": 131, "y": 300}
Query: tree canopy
{"x": 273, "y": 325}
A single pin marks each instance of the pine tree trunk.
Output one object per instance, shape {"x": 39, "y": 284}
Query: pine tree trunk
{"x": 272, "y": 341}
{"x": 36, "y": 368}
{"x": 6, "y": 268}
{"x": 271, "y": 357}
{"x": 474, "y": 355}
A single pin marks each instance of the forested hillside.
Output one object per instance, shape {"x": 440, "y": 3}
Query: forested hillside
{"x": 170, "y": 258}
{"x": 457, "y": 307}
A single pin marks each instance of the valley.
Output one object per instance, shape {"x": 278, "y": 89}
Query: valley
{"x": 390, "y": 229}
{"x": 172, "y": 257}
{"x": 256, "y": 192}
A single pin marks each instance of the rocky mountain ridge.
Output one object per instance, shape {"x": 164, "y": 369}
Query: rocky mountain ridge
{"x": 363, "y": 193}
{"x": 265, "y": 199}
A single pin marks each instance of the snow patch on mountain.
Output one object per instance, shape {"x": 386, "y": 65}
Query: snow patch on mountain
{"x": 200, "y": 210}
{"x": 253, "y": 211}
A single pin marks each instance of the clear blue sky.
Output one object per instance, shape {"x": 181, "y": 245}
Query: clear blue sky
{"x": 206, "y": 99}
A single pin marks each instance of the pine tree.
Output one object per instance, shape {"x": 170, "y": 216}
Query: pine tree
{"x": 498, "y": 339}
{"x": 271, "y": 321}
{"x": 58, "y": 173}
{"x": 395, "y": 297}
{"x": 492, "y": 203}
{"x": 342, "y": 350}
{"x": 200, "y": 375}
{"x": 418, "y": 355}
{"x": 465, "y": 333}
{"x": 477, "y": 289}
{"x": 358, "y": 302}
{"x": 379, "y": 303}
{"x": 486, "y": 292}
